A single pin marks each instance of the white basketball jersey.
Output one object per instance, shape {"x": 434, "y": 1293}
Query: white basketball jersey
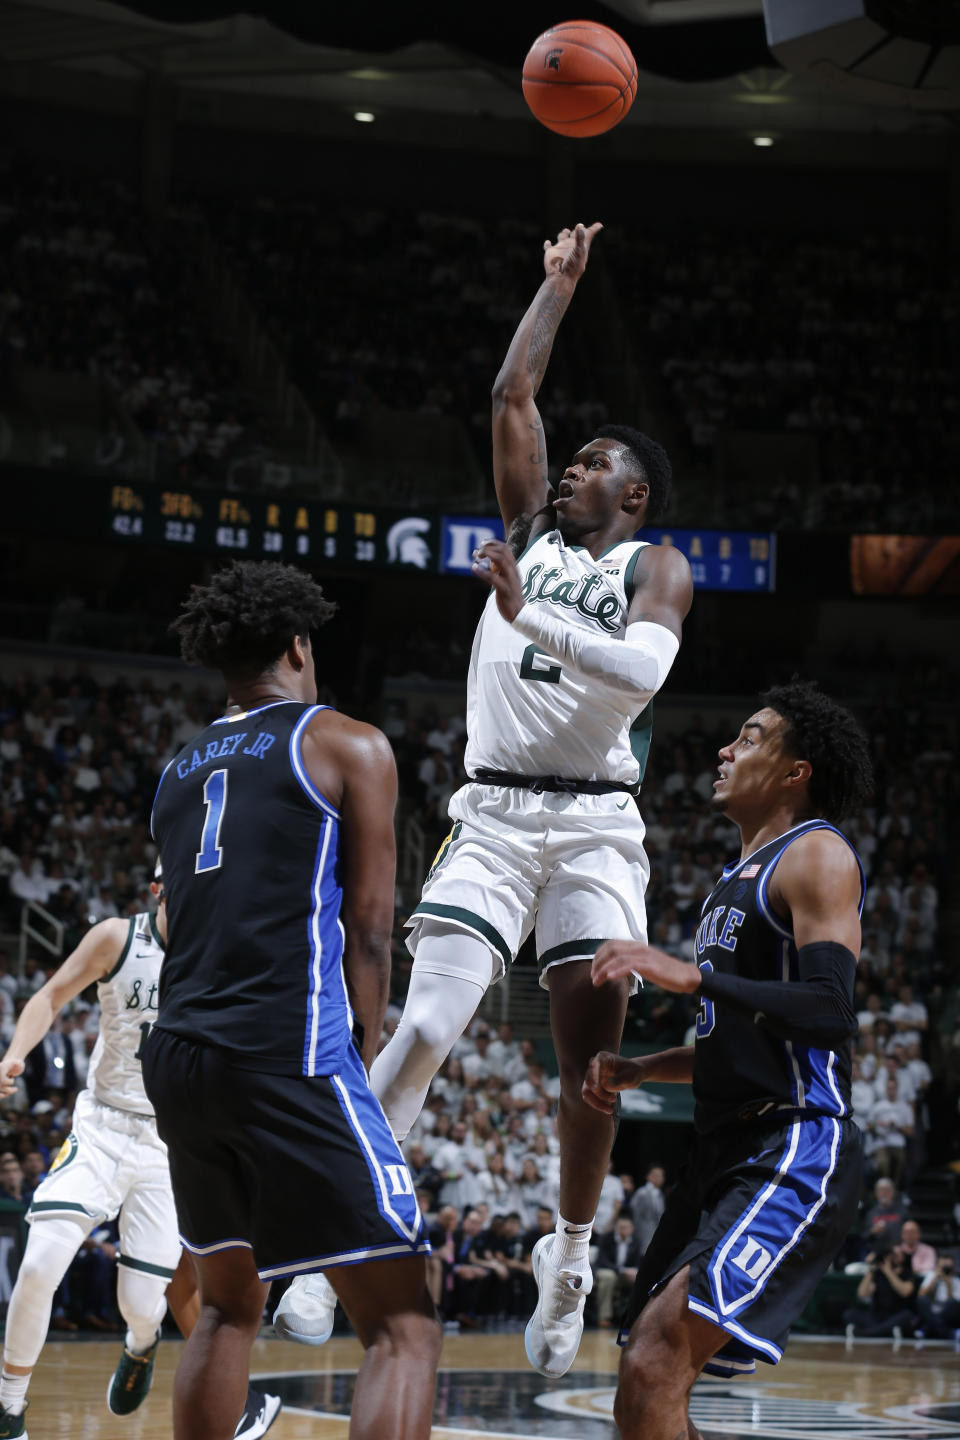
{"x": 528, "y": 713}
{"x": 128, "y": 1008}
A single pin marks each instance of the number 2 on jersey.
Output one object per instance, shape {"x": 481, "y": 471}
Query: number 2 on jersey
{"x": 529, "y": 671}
{"x": 210, "y": 856}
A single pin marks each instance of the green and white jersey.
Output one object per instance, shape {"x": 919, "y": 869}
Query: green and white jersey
{"x": 528, "y": 713}
{"x": 128, "y": 1008}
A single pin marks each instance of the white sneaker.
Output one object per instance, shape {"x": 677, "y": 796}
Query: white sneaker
{"x": 305, "y": 1312}
{"x": 552, "y": 1336}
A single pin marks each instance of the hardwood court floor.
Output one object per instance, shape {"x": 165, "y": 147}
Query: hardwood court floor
{"x": 820, "y": 1390}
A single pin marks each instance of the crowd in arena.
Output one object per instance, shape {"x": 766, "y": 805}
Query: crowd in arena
{"x": 79, "y": 763}
{"x": 88, "y": 286}
{"x": 794, "y": 335}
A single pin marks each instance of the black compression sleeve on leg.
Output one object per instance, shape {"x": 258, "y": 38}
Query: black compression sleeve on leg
{"x": 816, "y": 1009}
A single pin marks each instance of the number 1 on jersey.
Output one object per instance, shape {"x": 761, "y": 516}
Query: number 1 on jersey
{"x": 210, "y": 856}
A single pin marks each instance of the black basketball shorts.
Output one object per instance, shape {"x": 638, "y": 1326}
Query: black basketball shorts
{"x": 304, "y": 1171}
{"x": 760, "y": 1211}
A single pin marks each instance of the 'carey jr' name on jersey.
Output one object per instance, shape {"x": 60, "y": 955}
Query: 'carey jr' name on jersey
{"x": 230, "y": 745}
{"x": 709, "y": 932}
{"x": 541, "y": 584}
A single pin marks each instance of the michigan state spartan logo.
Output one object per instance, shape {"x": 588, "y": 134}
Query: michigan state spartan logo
{"x": 65, "y": 1154}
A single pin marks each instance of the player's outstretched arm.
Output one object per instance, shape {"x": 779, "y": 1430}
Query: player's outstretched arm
{"x": 608, "y": 1074}
{"x": 95, "y": 956}
{"x": 353, "y": 763}
{"x": 519, "y": 450}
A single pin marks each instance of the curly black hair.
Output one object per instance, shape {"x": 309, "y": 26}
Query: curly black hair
{"x": 247, "y": 614}
{"x": 651, "y": 460}
{"x": 834, "y": 743}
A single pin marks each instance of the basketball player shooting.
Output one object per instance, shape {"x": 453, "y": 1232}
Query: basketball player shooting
{"x": 577, "y": 636}
{"x": 771, "y": 1188}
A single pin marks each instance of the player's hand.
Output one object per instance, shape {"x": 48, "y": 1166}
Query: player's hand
{"x": 608, "y": 1074}
{"x": 9, "y": 1070}
{"x": 616, "y": 958}
{"x": 567, "y": 255}
{"x": 494, "y": 563}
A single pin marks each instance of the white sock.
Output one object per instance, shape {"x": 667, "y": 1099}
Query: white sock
{"x": 571, "y": 1248}
{"x": 13, "y": 1392}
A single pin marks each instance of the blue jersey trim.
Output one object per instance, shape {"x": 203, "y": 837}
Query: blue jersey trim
{"x": 153, "y": 808}
{"x": 779, "y": 1212}
{"x": 765, "y": 1348}
{"x": 345, "y": 1257}
{"x": 243, "y": 714}
{"x": 300, "y": 770}
{"x": 317, "y": 1039}
{"x": 368, "y": 1122}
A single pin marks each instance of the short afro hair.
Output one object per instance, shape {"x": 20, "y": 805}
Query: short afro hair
{"x": 827, "y": 735}
{"x": 245, "y": 617}
{"x": 650, "y": 459}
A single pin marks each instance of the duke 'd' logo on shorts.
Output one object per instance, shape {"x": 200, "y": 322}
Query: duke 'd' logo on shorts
{"x": 401, "y": 1182}
{"x": 753, "y": 1259}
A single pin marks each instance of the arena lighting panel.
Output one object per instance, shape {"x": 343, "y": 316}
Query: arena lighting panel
{"x": 887, "y": 52}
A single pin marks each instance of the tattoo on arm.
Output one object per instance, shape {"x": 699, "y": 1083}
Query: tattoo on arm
{"x": 539, "y": 456}
{"x": 545, "y": 326}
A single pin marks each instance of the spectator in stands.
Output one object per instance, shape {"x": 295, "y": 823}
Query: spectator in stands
{"x": 922, "y": 1257}
{"x": 615, "y": 1268}
{"x": 11, "y": 1178}
{"x": 938, "y": 1300}
{"x": 889, "y": 1127}
{"x": 887, "y": 1297}
{"x": 883, "y": 1220}
{"x": 646, "y": 1206}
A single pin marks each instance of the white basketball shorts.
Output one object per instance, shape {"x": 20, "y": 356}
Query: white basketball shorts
{"x": 570, "y": 867}
{"x": 113, "y": 1162}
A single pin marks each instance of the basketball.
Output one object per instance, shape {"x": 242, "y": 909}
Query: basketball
{"x": 579, "y": 78}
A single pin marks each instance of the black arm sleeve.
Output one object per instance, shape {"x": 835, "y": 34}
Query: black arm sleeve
{"x": 816, "y": 1010}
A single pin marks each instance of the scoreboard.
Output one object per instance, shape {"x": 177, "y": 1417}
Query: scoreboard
{"x": 320, "y": 535}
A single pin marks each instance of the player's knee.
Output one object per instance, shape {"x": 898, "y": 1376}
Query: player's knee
{"x": 414, "y": 1336}
{"x": 648, "y": 1372}
{"x": 430, "y": 1033}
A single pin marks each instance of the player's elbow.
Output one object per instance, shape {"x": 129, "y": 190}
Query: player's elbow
{"x": 511, "y": 390}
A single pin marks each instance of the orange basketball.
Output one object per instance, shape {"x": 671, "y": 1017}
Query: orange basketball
{"x": 579, "y": 78}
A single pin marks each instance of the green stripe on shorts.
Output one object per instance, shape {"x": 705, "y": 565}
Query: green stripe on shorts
{"x": 145, "y": 1266}
{"x": 571, "y": 950}
{"x": 470, "y": 921}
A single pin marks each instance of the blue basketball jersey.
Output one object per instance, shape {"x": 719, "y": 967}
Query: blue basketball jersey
{"x": 251, "y": 854}
{"x": 740, "y": 1068}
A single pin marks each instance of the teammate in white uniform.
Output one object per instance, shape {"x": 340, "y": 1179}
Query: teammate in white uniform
{"x": 112, "y": 1162}
{"x": 578, "y": 635}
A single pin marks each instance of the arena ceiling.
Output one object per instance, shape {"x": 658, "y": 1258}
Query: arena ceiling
{"x": 703, "y": 63}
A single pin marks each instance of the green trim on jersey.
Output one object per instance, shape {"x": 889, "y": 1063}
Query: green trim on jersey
{"x": 631, "y": 568}
{"x": 570, "y": 950}
{"x": 470, "y": 921}
{"x": 641, "y": 736}
{"x": 131, "y": 926}
{"x": 48, "y": 1205}
{"x": 156, "y": 933}
{"x": 145, "y": 1266}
